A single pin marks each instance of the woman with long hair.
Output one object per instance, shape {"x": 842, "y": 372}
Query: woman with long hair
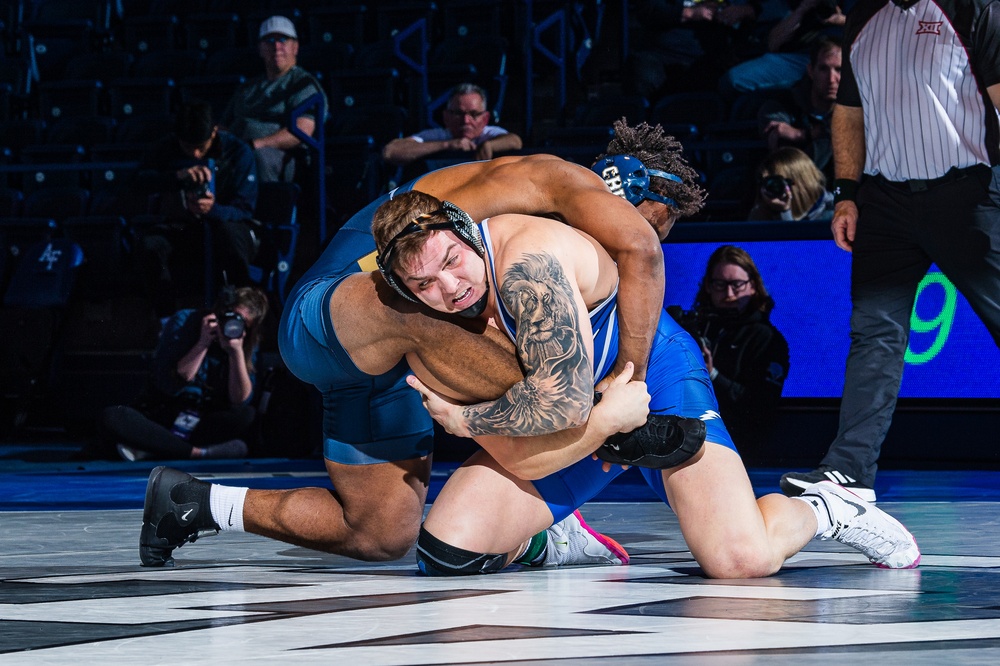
{"x": 791, "y": 188}
{"x": 746, "y": 356}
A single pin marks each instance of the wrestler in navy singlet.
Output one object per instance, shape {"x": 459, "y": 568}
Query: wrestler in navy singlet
{"x": 366, "y": 419}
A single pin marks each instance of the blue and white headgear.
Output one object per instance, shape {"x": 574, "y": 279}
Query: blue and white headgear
{"x": 629, "y": 178}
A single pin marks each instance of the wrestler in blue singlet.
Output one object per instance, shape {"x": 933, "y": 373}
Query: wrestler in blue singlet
{"x": 366, "y": 419}
{"x": 676, "y": 379}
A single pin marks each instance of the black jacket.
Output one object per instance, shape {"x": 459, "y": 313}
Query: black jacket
{"x": 751, "y": 357}
{"x": 235, "y": 175}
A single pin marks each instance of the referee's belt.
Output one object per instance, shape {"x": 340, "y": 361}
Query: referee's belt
{"x": 922, "y": 185}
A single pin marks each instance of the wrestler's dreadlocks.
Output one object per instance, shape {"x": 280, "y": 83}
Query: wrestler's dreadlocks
{"x": 663, "y": 152}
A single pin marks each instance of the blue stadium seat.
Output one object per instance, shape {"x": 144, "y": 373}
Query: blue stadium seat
{"x": 103, "y": 66}
{"x": 10, "y": 202}
{"x": 49, "y": 168}
{"x": 238, "y": 61}
{"x": 57, "y": 203}
{"x": 277, "y": 209}
{"x": 209, "y": 32}
{"x": 169, "y": 63}
{"x": 143, "y": 34}
{"x": 86, "y": 131}
{"x": 392, "y": 17}
{"x": 607, "y": 109}
{"x": 105, "y": 272}
{"x": 696, "y": 108}
{"x": 70, "y": 97}
{"x": 136, "y": 96}
{"x": 216, "y": 90}
{"x": 343, "y": 23}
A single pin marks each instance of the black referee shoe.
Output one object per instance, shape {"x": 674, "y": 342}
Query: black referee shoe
{"x": 793, "y": 483}
{"x": 176, "y": 511}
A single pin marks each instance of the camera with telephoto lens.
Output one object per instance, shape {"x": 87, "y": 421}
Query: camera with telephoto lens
{"x": 692, "y": 321}
{"x": 774, "y": 186}
{"x": 232, "y": 324}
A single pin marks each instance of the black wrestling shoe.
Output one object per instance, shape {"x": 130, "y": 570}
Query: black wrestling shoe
{"x": 793, "y": 483}
{"x": 175, "y": 512}
{"x": 665, "y": 441}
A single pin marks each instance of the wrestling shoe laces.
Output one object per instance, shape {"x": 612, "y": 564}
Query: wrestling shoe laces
{"x": 176, "y": 512}
{"x": 572, "y": 542}
{"x": 856, "y": 523}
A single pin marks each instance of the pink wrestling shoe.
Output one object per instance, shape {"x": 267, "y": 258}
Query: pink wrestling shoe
{"x": 572, "y": 542}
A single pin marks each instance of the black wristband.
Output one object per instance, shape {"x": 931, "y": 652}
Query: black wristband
{"x": 844, "y": 189}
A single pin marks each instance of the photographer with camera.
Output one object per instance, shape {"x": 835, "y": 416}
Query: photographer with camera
{"x": 206, "y": 182}
{"x": 791, "y": 189}
{"x": 746, "y": 356}
{"x": 197, "y": 404}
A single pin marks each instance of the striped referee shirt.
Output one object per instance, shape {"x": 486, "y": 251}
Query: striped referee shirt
{"x": 920, "y": 71}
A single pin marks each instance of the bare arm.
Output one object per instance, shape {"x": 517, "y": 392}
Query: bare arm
{"x": 239, "y": 384}
{"x": 502, "y": 144}
{"x": 403, "y": 151}
{"x": 784, "y": 29}
{"x": 848, "y": 134}
{"x": 188, "y": 365}
{"x": 557, "y": 390}
{"x": 283, "y": 139}
{"x": 588, "y": 205}
{"x": 624, "y": 407}
{"x": 994, "y": 92}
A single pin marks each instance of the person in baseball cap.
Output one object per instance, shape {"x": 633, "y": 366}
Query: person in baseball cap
{"x": 259, "y": 108}
{"x": 277, "y": 25}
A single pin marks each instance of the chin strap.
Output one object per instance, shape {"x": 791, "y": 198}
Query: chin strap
{"x": 477, "y": 308}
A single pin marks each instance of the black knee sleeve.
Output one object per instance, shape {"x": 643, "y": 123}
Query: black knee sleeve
{"x": 665, "y": 441}
{"x": 436, "y": 558}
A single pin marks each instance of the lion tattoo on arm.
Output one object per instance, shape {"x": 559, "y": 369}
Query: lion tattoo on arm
{"x": 558, "y": 375}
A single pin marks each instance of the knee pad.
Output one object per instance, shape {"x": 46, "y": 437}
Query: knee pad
{"x": 436, "y": 558}
{"x": 665, "y": 441}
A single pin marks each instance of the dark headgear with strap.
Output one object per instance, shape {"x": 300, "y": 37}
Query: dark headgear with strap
{"x": 458, "y": 221}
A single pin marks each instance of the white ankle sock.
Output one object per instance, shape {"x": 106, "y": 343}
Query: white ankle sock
{"x": 823, "y": 523}
{"x": 226, "y": 503}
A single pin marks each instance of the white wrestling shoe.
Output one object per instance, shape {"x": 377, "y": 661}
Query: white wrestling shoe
{"x": 572, "y": 542}
{"x": 856, "y": 523}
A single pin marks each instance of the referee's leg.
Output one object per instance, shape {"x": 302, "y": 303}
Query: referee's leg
{"x": 887, "y": 264}
{"x": 965, "y": 244}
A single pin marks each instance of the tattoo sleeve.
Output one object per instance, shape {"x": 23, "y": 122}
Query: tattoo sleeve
{"x": 558, "y": 383}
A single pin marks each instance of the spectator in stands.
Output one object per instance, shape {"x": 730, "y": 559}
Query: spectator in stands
{"x": 788, "y": 44}
{"x": 805, "y": 121}
{"x": 206, "y": 179}
{"x": 683, "y": 46}
{"x": 746, "y": 356}
{"x": 791, "y": 189}
{"x": 466, "y": 132}
{"x": 259, "y": 110}
{"x": 197, "y": 404}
